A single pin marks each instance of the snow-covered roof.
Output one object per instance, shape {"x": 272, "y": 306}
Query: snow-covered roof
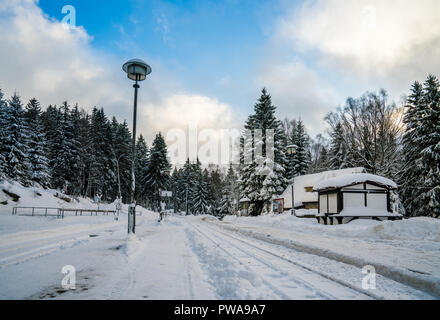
{"x": 352, "y": 179}
{"x": 245, "y": 200}
{"x": 310, "y": 180}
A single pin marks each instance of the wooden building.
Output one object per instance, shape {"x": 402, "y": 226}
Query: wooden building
{"x": 355, "y": 196}
{"x": 305, "y": 196}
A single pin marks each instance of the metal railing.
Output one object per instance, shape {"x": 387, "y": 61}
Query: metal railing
{"x": 36, "y": 211}
{"x": 57, "y": 212}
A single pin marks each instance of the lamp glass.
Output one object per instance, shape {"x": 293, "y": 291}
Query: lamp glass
{"x": 291, "y": 149}
{"x": 136, "y": 69}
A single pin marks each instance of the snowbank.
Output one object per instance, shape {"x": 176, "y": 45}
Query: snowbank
{"x": 415, "y": 229}
{"x": 39, "y": 197}
{"x": 365, "y": 212}
{"x": 306, "y": 212}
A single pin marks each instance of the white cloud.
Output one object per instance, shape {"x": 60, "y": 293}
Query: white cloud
{"x": 180, "y": 109}
{"x": 393, "y": 41}
{"x": 323, "y": 51}
{"x": 44, "y": 58}
{"x": 53, "y": 62}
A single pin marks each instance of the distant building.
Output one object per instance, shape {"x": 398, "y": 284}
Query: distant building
{"x": 305, "y": 196}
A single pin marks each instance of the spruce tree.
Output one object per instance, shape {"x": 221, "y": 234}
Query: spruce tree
{"x": 229, "y": 193}
{"x": 15, "y": 148}
{"x": 420, "y": 182}
{"x": 301, "y": 157}
{"x": 3, "y": 135}
{"x": 50, "y": 120}
{"x": 37, "y": 147}
{"x": 428, "y": 139}
{"x": 122, "y": 149}
{"x": 158, "y": 173}
{"x": 76, "y": 159}
{"x": 102, "y": 177}
{"x": 84, "y": 158}
{"x": 142, "y": 155}
{"x": 174, "y": 189}
{"x": 263, "y": 176}
{"x": 66, "y": 159}
{"x": 185, "y": 185}
{"x": 200, "y": 193}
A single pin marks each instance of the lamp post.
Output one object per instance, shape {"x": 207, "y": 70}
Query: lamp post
{"x": 291, "y": 150}
{"x": 137, "y": 70}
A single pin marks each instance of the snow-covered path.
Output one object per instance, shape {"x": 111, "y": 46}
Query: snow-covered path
{"x": 269, "y": 275}
{"x": 180, "y": 258}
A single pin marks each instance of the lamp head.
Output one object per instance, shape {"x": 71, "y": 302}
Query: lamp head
{"x": 291, "y": 149}
{"x": 136, "y": 69}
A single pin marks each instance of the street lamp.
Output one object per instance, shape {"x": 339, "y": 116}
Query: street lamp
{"x": 291, "y": 150}
{"x": 137, "y": 70}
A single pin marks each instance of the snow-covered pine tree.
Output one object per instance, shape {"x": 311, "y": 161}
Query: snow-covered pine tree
{"x": 229, "y": 193}
{"x": 420, "y": 182}
{"x": 67, "y": 155}
{"x": 185, "y": 186}
{"x": 50, "y": 119}
{"x": 261, "y": 176}
{"x": 3, "y": 135}
{"x": 338, "y": 148}
{"x": 84, "y": 161}
{"x": 174, "y": 182}
{"x": 122, "y": 149}
{"x": 142, "y": 156}
{"x": 102, "y": 177}
{"x": 427, "y": 137}
{"x": 225, "y": 205}
{"x": 215, "y": 186}
{"x": 15, "y": 149}
{"x": 301, "y": 157}
{"x": 408, "y": 177}
{"x": 37, "y": 145}
{"x": 76, "y": 157}
{"x": 158, "y": 173}
{"x": 213, "y": 182}
{"x": 290, "y": 132}
{"x": 200, "y": 193}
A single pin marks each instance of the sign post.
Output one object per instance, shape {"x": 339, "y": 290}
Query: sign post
{"x": 131, "y": 217}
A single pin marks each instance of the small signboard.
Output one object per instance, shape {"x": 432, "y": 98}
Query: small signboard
{"x": 278, "y": 205}
{"x": 167, "y": 194}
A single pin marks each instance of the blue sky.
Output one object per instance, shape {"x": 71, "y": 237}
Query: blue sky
{"x": 205, "y": 42}
{"x": 210, "y": 59}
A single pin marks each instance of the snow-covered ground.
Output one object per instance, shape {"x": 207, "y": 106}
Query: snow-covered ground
{"x": 186, "y": 257}
{"x": 406, "y": 250}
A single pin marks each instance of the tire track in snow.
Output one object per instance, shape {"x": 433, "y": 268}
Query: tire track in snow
{"x": 283, "y": 295}
{"x": 304, "y": 269}
{"x": 321, "y": 274}
{"x": 303, "y": 289}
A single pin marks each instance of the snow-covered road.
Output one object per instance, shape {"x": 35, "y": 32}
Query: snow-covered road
{"x": 180, "y": 258}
